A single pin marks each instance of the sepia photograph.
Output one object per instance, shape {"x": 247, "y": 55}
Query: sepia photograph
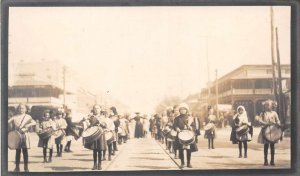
{"x": 148, "y": 88}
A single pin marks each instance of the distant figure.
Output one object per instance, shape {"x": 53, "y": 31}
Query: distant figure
{"x": 138, "y": 132}
{"x": 210, "y": 128}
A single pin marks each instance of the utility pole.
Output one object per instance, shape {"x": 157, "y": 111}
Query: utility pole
{"x": 64, "y": 85}
{"x": 217, "y": 94}
{"x": 281, "y": 96}
{"x": 272, "y": 56}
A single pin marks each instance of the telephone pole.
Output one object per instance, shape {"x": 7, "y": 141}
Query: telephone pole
{"x": 217, "y": 94}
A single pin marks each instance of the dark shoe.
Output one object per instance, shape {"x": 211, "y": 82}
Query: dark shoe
{"x": 50, "y": 160}
{"x": 95, "y": 167}
{"x": 26, "y": 169}
{"x": 116, "y": 149}
{"x": 113, "y": 153}
{"x": 17, "y": 169}
{"x": 272, "y": 163}
{"x": 99, "y": 167}
{"x": 212, "y": 147}
{"x": 45, "y": 160}
{"x": 189, "y": 166}
{"x": 240, "y": 156}
{"x": 182, "y": 165}
{"x": 266, "y": 163}
{"x": 245, "y": 156}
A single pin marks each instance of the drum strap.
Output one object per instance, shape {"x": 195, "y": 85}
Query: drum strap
{"x": 22, "y": 121}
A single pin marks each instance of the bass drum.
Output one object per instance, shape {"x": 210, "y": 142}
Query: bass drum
{"x": 166, "y": 130}
{"x": 109, "y": 136}
{"x": 91, "y": 134}
{"x": 186, "y": 137}
{"x": 272, "y": 133}
{"x": 15, "y": 139}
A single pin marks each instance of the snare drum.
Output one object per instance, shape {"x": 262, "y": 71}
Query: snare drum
{"x": 166, "y": 130}
{"x": 272, "y": 133}
{"x": 186, "y": 137}
{"x": 121, "y": 132}
{"x": 109, "y": 136}
{"x": 75, "y": 132}
{"x": 46, "y": 133}
{"x": 91, "y": 134}
{"x": 172, "y": 135}
{"x": 209, "y": 127}
{"x": 242, "y": 130}
{"x": 59, "y": 134}
{"x": 15, "y": 139}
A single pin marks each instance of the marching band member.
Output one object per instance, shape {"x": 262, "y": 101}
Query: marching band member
{"x": 197, "y": 127}
{"x": 99, "y": 145}
{"x": 268, "y": 117}
{"x": 61, "y": 124}
{"x": 125, "y": 127}
{"x": 110, "y": 126}
{"x": 69, "y": 135}
{"x": 164, "y": 122}
{"x": 174, "y": 115}
{"x": 21, "y": 122}
{"x": 47, "y": 143}
{"x": 211, "y": 134}
{"x": 239, "y": 119}
{"x": 181, "y": 122}
{"x": 170, "y": 121}
{"x": 114, "y": 116}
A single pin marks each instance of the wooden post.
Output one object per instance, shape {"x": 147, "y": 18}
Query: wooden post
{"x": 281, "y": 97}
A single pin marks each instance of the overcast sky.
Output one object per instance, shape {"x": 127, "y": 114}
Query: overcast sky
{"x": 142, "y": 54}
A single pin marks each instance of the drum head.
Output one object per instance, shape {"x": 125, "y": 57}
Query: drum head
{"x": 14, "y": 140}
{"x": 90, "y": 131}
{"x": 186, "y": 135}
{"x": 273, "y": 133}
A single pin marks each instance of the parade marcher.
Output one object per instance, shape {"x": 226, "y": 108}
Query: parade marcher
{"x": 61, "y": 125}
{"x": 110, "y": 126}
{"x": 240, "y": 119}
{"x": 184, "y": 122}
{"x": 151, "y": 126}
{"x": 114, "y": 116}
{"x": 21, "y": 122}
{"x": 164, "y": 122}
{"x": 138, "y": 132}
{"x": 170, "y": 115}
{"x": 210, "y": 133}
{"x": 47, "y": 143}
{"x": 197, "y": 127}
{"x": 125, "y": 129}
{"x": 157, "y": 124}
{"x": 69, "y": 132}
{"x": 267, "y": 118}
{"x": 98, "y": 145}
{"x": 145, "y": 126}
{"x": 175, "y": 114}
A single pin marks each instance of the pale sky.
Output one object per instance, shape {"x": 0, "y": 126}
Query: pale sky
{"x": 142, "y": 54}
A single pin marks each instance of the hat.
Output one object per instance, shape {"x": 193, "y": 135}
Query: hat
{"x": 184, "y": 105}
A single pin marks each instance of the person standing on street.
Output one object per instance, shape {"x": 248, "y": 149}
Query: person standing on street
{"x": 184, "y": 122}
{"x": 138, "y": 132}
{"x": 210, "y": 133}
{"x": 241, "y": 119}
{"x": 22, "y": 122}
{"x": 99, "y": 145}
{"x": 47, "y": 143}
{"x": 61, "y": 125}
{"x": 266, "y": 118}
{"x": 114, "y": 116}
